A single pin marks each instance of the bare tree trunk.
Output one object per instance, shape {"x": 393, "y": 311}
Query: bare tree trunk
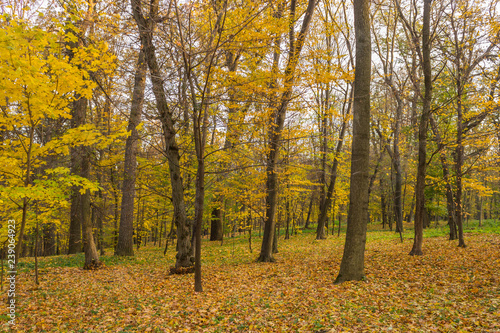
{"x": 76, "y": 219}
{"x": 352, "y": 265}
{"x": 184, "y": 227}
{"x": 83, "y": 166}
{"x": 306, "y": 226}
{"x": 450, "y": 202}
{"x": 125, "y": 245}
{"x": 327, "y": 202}
{"x": 216, "y": 225}
{"x": 75, "y": 225}
{"x": 422, "y": 134}
{"x": 383, "y": 204}
{"x": 396, "y": 161}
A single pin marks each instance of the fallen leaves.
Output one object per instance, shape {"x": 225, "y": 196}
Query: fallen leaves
{"x": 449, "y": 289}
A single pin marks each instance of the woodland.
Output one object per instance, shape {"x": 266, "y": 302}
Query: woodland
{"x": 255, "y": 166}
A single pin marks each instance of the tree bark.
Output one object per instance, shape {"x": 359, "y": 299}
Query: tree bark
{"x": 75, "y": 227}
{"x": 216, "y": 225}
{"x": 352, "y": 265}
{"x": 184, "y": 227}
{"x": 450, "y": 202}
{"x": 459, "y": 150}
{"x": 422, "y": 133}
{"x": 125, "y": 245}
{"x": 327, "y": 202}
{"x": 89, "y": 247}
{"x": 311, "y": 201}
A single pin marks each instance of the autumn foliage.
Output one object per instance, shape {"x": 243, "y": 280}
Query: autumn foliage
{"x": 144, "y": 141}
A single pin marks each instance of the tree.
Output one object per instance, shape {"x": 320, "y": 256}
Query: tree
{"x": 125, "y": 245}
{"x": 38, "y": 85}
{"x": 200, "y": 116}
{"x": 465, "y": 56}
{"x": 183, "y": 225}
{"x": 390, "y": 78}
{"x": 352, "y": 265}
{"x": 277, "y": 120}
{"x": 331, "y": 77}
{"x": 422, "y": 132}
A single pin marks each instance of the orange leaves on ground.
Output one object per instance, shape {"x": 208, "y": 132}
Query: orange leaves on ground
{"x": 449, "y": 289}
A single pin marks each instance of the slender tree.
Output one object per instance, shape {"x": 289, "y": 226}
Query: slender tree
{"x": 276, "y": 128}
{"x": 146, "y": 26}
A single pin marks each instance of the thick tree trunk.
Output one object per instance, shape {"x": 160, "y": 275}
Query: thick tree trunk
{"x": 78, "y": 116}
{"x": 396, "y": 155}
{"x": 216, "y": 225}
{"x": 422, "y": 134}
{"x": 125, "y": 245}
{"x": 352, "y": 265}
{"x": 89, "y": 247}
{"x": 236, "y": 115}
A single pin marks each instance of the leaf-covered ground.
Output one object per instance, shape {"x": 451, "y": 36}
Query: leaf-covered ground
{"x": 449, "y": 289}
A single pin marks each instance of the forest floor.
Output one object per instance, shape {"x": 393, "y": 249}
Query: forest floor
{"x": 448, "y": 289}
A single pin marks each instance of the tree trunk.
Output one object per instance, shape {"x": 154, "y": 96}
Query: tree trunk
{"x": 275, "y": 239}
{"x": 216, "y": 225}
{"x": 306, "y": 225}
{"x": 79, "y": 108}
{"x": 231, "y": 138}
{"x": 49, "y": 239}
{"x": 327, "y": 202}
{"x": 83, "y": 166}
{"x": 459, "y": 161}
{"x": 450, "y": 202}
{"x": 125, "y": 245}
{"x": 199, "y": 203}
{"x": 78, "y": 116}
{"x": 480, "y": 212}
{"x": 352, "y": 265}
{"x": 383, "y": 204}
{"x": 75, "y": 226}
{"x": 422, "y": 134}
{"x": 396, "y": 160}
{"x": 184, "y": 227}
